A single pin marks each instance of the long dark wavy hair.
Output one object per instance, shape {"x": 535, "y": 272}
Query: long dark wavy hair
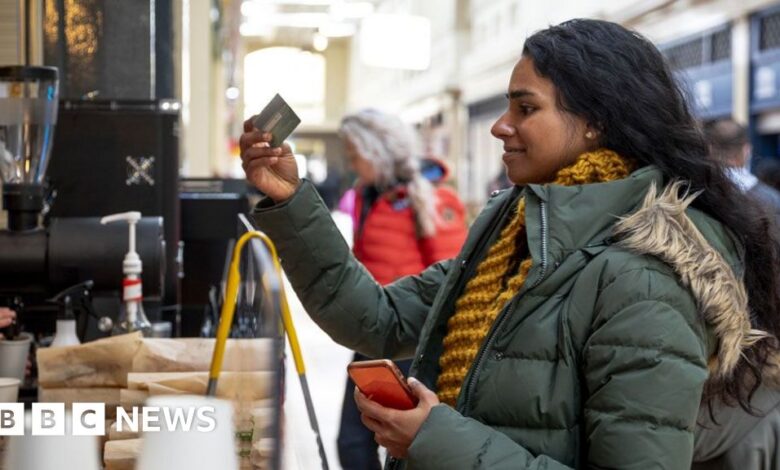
{"x": 619, "y": 82}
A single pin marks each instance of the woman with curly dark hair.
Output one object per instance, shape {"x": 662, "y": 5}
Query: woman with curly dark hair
{"x": 622, "y": 282}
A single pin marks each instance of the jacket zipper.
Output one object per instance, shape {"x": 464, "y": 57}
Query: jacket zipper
{"x": 392, "y": 462}
{"x": 467, "y": 267}
{"x": 503, "y": 315}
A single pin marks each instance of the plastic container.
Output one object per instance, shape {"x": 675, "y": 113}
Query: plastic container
{"x": 13, "y": 356}
{"x": 66, "y": 452}
{"x": 186, "y": 449}
{"x": 9, "y": 389}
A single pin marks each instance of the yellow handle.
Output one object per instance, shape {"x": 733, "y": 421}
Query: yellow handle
{"x": 229, "y": 306}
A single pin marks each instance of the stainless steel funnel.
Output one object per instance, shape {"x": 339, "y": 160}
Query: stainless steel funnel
{"x": 28, "y": 115}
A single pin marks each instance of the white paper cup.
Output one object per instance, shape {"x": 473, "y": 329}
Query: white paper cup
{"x": 9, "y": 389}
{"x": 13, "y": 356}
{"x": 181, "y": 449}
{"x": 66, "y": 452}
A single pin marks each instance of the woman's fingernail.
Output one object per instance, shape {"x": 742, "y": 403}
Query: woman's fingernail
{"x": 413, "y": 382}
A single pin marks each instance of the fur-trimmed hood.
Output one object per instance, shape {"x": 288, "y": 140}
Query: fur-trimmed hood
{"x": 661, "y": 227}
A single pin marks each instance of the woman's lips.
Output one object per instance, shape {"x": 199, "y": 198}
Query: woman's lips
{"x": 511, "y": 153}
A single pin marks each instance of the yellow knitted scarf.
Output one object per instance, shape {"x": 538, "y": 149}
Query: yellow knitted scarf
{"x": 496, "y": 281}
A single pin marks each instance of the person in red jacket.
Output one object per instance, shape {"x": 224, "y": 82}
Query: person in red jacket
{"x": 404, "y": 220}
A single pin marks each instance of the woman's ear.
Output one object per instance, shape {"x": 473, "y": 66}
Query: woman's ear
{"x": 593, "y": 134}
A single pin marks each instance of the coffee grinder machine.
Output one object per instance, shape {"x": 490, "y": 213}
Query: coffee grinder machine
{"x": 38, "y": 261}
{"x": 28, "y": 114}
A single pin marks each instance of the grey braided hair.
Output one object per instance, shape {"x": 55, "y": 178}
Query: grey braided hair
{"x": 391, "y": 147}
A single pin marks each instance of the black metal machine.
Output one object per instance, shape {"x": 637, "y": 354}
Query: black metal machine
{"x": 119, "y": 156}
{"x": 38, "y": 260}
{"x": 209, "y": 209}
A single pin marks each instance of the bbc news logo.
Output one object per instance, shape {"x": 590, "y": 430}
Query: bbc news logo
{"x": 89, "y": 419}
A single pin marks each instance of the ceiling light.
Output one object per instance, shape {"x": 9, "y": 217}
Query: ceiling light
{"x": 312, "y": 3}
{"x": 252, "y": 9}
{"x": 289, "y": 20}
{"x": 249, "y": 29}
{"x": 338, "y": 30}
{"x": 396, "y": 41}
{"x": 232, "y": 93}
{"x": 319, "y": 42}
{"x": 353, "y": 10}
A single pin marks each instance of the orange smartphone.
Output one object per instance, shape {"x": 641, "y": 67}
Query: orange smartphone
{"x": 382, "y": 381}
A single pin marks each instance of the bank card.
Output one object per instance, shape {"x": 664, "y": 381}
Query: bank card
{"x": 278, "y": 118}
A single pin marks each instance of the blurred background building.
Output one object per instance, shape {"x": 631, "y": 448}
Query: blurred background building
{"x": 443, "y": 65}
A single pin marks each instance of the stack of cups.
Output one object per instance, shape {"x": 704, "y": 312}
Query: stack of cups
{"x": 9, "y": 393}
{"x": 13, "y": 356}
{"x": 9, "y": 389}
{"x": 204, "y": 443}
{"x": 65, "y": 452}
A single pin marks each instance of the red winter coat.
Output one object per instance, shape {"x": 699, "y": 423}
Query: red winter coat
{"x": 387, "y": 243}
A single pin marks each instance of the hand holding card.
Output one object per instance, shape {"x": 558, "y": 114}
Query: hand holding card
{"x": 268, "y": 162}
{"x": 278, "y": 118}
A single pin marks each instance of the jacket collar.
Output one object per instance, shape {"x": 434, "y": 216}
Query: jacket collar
{"x": 581, "y": 215}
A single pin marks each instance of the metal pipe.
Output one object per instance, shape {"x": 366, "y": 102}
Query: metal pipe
{"x": 34, "y": 33}
{"x": 21, "y": 32}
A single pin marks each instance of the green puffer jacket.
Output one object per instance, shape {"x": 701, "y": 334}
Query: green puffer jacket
{"x": 598, "y": 362}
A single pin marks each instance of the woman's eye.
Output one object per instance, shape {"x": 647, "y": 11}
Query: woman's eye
{"x": 526, "y": 110}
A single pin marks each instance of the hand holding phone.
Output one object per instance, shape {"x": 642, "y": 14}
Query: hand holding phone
{"x": 382, "y": 381}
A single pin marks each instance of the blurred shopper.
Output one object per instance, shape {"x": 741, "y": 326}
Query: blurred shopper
{"x": 593, "y": 306}
{"x": 7, "y": 318}
{"x": 728, "y": 436}
{"x": 730, "y": 144}
{"x": 329, "y": 189}
{"x": 402, "y": 224}
{"x": 768, "y": 172}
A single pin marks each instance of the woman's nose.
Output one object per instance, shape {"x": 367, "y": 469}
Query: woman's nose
{"x": 502, "y": 129}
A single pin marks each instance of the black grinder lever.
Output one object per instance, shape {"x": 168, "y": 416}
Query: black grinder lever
{"x": 76, "y": 302}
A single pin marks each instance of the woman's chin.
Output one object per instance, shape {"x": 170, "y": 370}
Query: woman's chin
{"x": 517, "y": 177}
